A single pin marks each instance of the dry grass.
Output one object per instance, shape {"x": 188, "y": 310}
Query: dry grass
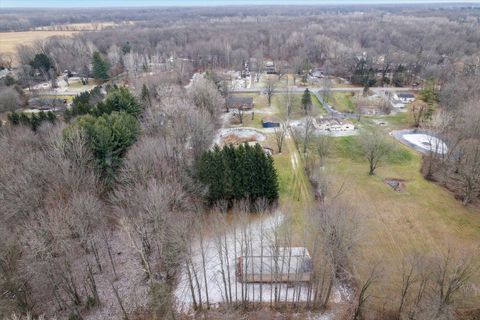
{"x": 87, "y": 26}
{"x": 424, "y": 219}
{"x": 10, "y": 40}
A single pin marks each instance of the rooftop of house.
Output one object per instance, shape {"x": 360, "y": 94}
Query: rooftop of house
{"x": 405, "y": 95}
{"x": 235, "y": 100}
{"x": 283, "y": 259}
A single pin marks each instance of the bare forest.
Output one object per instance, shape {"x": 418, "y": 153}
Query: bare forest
{"x": 125, "y": 193}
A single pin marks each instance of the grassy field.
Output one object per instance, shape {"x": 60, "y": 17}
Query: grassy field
{"x": 10, "y": 40}
{"x": 424, "y": 219}
{"x": 318, "y": 106}
{"x": 341, "y": 101}
{"x": 87, "y": 26}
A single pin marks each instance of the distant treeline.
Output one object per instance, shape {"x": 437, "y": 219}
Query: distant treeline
{"x": 368, "y": 45}
{"x": 26, "y": 19}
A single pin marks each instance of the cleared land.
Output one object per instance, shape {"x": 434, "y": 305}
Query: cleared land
{"x": 10, "y": 40}
{"x": 88, "y": 26}
{"x": 423, "y": 219}
{"x": 341, "y": 101}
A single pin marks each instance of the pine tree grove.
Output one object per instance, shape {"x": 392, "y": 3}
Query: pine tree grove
{"x": 235, "y": 173}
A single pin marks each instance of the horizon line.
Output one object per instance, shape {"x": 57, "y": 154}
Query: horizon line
{"x": 294, "y": 4}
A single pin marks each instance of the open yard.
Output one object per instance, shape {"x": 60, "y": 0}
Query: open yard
{"x": 10, "y": 40}
{"x": 341, "y": 101}
{"x": 423, "y": 219}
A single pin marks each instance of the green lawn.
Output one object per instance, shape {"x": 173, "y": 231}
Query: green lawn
{"x": 424, "y": 219}
{"x": 318, "y": 106}
{"x": 341, "y": 101}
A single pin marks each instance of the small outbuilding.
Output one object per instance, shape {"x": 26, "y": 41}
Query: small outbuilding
{"x": 404, "y": 97}
{"x": 270, "y": 122}
{"x": 236, "y": 102}
{"x": 282, "y": 264}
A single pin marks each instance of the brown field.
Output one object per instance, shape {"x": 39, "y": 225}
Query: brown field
{"x": 89, "y": 26}
{"x": 10, "y": 40}
{"x": 424, "y": 219}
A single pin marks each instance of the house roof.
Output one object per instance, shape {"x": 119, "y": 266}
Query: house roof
{"x": 405, "y": 95}
{"x": 236, "y": 101}
{"x": 286, "y": 260}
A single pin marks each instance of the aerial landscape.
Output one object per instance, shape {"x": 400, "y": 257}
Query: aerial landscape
{"x": 239, "y": 160}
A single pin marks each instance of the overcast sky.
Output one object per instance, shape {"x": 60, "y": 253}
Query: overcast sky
{"x": 144, "y": 3}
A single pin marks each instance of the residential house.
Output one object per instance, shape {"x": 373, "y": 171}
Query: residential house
{"x": 281, "y": 264}
{"x": 241, "y": 103}
{"x": 404, "y": 97}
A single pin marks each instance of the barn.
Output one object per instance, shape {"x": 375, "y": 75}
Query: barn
{"x": 283, "y": 264}
{"x": 270, "y": 122}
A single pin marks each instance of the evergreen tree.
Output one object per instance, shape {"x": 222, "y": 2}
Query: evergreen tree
{"x": 35, "y": 121}
{"x": 145, "y": 96}
{"x": 306, "y": 101}
{"x": 13, "y": 118}
{"x": 42, "y": 63}
{"x": 118, "y": 99}
{"x": 238, "y": 173}
{"x": 126, "y": 48}
{"x": 42, "y": 116}
{"x": 110, "y": 136}
{"x": 100, "y": 67}
{"x": 24, "y": 119}
{"x": 51, "y": 117}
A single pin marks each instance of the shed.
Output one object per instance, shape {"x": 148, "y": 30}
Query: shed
{"x": 283, "y": 264}
{"x": 236, "y": 102}
{"x": 270, "y": 122}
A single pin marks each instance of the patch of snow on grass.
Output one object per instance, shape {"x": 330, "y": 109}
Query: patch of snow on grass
{"x": 427, "y": 142}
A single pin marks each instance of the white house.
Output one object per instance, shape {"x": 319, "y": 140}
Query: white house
{"x": 404, "y": 97}
{"x": 333, "y": 125}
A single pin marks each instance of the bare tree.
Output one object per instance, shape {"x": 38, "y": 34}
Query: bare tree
{"x": 9, "y": 99}
{"x": 287, "y": 102}
{"x": 450, "y": 274}
{"x": 363, "y": 294}
{"x": 468, "y": 169}
{"x": 418, "y": 111}
{"x": 205, "y": 95}
{"x": 375, "y": 149}
{"x": 270, "y": 90}
{"x": 307, "y": 133}
{"x": 280, "y": 134}
{"x": 323, "y": 144}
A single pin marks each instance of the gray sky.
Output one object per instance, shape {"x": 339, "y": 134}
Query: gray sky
{"x": 151, "y": 3}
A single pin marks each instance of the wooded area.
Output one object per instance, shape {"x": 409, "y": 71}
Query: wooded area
{"x": 139, "y": 192}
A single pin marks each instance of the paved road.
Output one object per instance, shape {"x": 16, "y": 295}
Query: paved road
{"x": 331, "y": 111}
{"x": 319, "y": 89}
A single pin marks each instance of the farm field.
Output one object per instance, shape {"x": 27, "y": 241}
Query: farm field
{"x": 10, "y": 40}
{"x": 87, "y": 26}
